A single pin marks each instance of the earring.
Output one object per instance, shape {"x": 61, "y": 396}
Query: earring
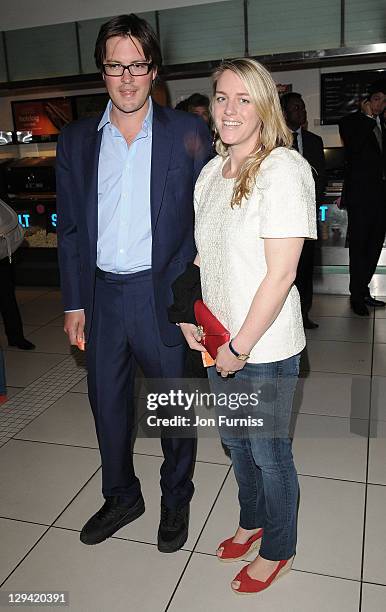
{"x": 215, "y": 134}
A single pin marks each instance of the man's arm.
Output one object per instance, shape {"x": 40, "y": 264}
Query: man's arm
{"x": 68, "y": 247}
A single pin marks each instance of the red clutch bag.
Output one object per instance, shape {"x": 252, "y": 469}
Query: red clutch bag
{"x": 214, "y": 334}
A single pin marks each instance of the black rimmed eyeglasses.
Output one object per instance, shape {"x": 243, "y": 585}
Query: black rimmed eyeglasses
{"x": 135, "y": 69}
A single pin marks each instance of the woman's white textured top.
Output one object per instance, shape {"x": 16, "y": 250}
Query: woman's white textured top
{"x": 230, "y": 243}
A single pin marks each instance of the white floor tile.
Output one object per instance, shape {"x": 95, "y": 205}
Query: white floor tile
{"x": 208, "y": 449}
{"x": 27, "y": 294}
{"x": 115, "y": 575}
{"x": 223, "y": 519}
{"x": 50, "y": 339}
{"x": 373, "y": 598}
{"x": 207, "y": 480}
{"x": 377, "y": 453}
{"x": 330, "y": 526}
{"x": 380, "y": 313}
{"x": 81, "y": 387}
{"x": 347, "y": 329}
{"x": 339, "y": 357}
{"x": 42, "y": 310}
{"x": 68, "y": 421}
{"x": 328, "y": 394}
{"x": 375, "y": 548}
{"x": 39, "y": 480}
{"x": 59, "y": 321}
{"x": 23, "y": 367}
{"x": 331, "y": 306}
{"x": 378, "y": 395}
{"x": 12, "y": 391}
{"x": 380, "y": 330}
{"x": 17, "y": 539}
{"x": 205, "y": 586}
{"x": 28, "y": 329}
{"x": 331, "y": 447}
{"x": 379, "y": 365}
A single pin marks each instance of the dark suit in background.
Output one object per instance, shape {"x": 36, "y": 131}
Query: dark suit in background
{"x": 364, "y": 198}
{"x": 313, "y": 152}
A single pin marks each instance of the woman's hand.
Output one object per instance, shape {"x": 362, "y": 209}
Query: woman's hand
{"x": 192, "y": 336}
{"x": 226, "y": 362}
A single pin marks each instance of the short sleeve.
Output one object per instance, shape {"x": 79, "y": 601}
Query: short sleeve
{"x": 288, "y": 207}
{"x": 201, "y": 182}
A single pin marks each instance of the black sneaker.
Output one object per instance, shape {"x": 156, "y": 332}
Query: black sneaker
{"x": 113, "y": 515}
{"x": 173, "y": 528}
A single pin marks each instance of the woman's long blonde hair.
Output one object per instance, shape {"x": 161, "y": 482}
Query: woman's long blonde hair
{"x": 274, "y": 131}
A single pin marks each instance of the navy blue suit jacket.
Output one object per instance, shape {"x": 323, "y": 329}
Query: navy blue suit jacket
{"x": 180, "y": 148}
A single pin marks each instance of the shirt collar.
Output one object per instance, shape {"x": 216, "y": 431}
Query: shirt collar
{"x": 147, "y": 122}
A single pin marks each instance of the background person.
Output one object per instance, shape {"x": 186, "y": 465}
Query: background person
{"x": 199, "y": 105}
{"x": 363, "y": 136}
{"x": 309, "y": 145}
{"x": 255, "y": 204}
{"x": 125, "y": 232}
{"x": 9, "y": 309}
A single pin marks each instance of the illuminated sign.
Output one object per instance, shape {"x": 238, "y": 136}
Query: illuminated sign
{"x": 24, "y": 219}
{"x": 323, "y": 212}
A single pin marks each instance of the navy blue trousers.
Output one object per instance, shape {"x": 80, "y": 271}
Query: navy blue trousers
{"x": 125, "y": 333}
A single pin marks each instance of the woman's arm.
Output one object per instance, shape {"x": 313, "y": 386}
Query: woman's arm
{"x": 282, "y": 257}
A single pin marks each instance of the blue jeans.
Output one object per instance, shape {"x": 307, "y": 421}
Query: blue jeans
{"x": 262, "y": 461}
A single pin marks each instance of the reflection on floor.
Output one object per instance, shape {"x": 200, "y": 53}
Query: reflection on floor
{"x": 50, "y": 479}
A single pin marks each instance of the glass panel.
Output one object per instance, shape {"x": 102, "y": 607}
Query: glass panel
{"x": 3, "y": 70}
{"x": 299, "y": 25}
{"x": 36, "y": 53}
{"x": 365, "y": 22}
{"x": 204, "y": 32}
{"x": 88, "y": 32}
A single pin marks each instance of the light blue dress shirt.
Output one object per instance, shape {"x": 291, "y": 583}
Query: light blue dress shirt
{"x": 124, "y": 219}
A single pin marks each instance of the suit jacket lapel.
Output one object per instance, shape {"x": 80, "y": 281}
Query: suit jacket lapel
{"x": 162, "y": 143}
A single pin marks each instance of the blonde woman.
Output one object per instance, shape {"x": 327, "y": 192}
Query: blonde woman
{"x": 255, "y": 205}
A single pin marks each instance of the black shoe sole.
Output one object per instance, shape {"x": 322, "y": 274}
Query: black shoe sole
{"x": 173, "y": 545}
{"x": 134, "y": 513}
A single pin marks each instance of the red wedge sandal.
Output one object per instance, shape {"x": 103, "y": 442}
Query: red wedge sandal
{"x": 249, "y": 585}
{"x": 234, "y": 552}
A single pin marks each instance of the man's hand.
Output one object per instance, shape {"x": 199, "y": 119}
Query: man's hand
{"x": 74, "y": 326}
{"x": 366, "y": 108}
{"x": 192, "y": 336}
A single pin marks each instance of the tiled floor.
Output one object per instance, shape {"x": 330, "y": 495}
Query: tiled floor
{"x": 50, "y": 479}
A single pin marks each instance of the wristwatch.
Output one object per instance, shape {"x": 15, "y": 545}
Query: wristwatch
{"x": 240, "y": 356}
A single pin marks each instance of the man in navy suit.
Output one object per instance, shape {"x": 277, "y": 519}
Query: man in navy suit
{"x": 125, "y": 186}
